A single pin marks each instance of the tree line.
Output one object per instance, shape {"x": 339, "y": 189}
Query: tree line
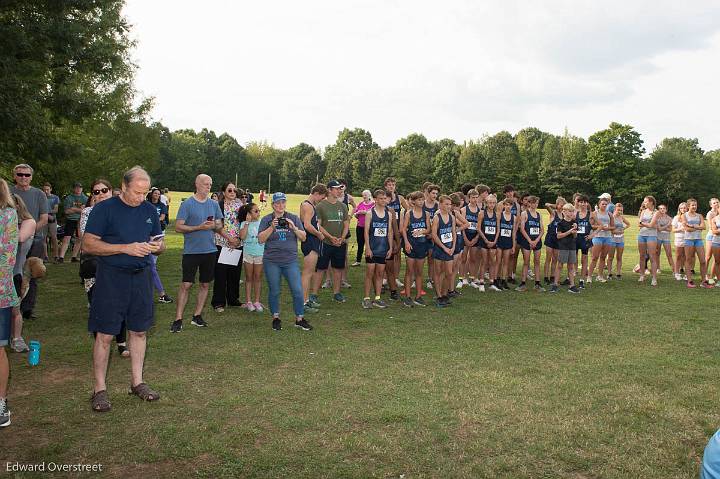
{"x": 69, "y": 108}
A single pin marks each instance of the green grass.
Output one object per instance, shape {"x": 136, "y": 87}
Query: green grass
{"x": 618, "y": 382}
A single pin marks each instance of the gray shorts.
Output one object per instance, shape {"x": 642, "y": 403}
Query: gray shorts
{"x": 567, "y": 256}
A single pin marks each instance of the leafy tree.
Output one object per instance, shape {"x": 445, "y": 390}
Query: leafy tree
{"x": 348, "y": 157}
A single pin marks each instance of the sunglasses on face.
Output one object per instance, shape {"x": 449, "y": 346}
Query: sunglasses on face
{"x": 23, "y": 175}
{"x": 243, "y": 196}
{"x": 231, "y": 190}
{"x": 100, "y": 191}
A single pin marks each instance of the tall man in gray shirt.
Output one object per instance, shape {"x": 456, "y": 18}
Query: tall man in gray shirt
{"x": 37, "y": 205}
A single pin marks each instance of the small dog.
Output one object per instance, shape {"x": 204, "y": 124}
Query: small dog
{"x": 34, "y": 268}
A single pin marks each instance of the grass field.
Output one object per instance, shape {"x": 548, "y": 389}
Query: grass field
{"x": 620, "y": 381}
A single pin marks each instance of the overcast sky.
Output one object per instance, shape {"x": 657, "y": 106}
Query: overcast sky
{"x": 290, "y": 71}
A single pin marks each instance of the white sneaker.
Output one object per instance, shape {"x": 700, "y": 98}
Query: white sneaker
{"x": 494, "y": 288}
{"x": 601, "y": 279}
{"x": 678, "y": 277}
{"x": 481, "y": 288}
{"x": 459, "y": 285}
{"x": 641, "y": 278}
{"x": 487, "y": 275}
{"x": 356, "y": 263}
{"x": 384, "y": 282}
{"x": 653, "y": 282}
{"x": 249, "y": 306}
{"x": 429, "y": 285}
{"x": 399, "y": 283}
{"x": 465, "y": 282}
{"x": 531, "y": 274}
{"x": 474, "y": 284}
{"x": 588, "y": 280}
{"x": 413, "y": 285}
{"x": 326, "y": 284}
{"x": 345, "y": 284}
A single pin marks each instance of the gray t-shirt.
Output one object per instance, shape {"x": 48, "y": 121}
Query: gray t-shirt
{"x": 281, "y": 246}
{"x": 36, "y": 202}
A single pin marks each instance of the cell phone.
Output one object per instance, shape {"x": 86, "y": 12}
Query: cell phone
{"x": 157, "y": 237}
{"x": 210, "y": 218}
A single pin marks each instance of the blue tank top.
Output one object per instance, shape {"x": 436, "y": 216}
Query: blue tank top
{"x": 444, "y": 231}
{"x": 346, "y": 199}
{"x": 584, "y": 227}
{"x": 490, "y": 226}
{"x": 414, "y": 225}
{"x": 378, "y": 233}
{"x": 395, "y": 205}
{"x": 471, "y": 218}
{"x": 552, "y": 226}
{"x": 506, "y": 228}
{"x": 432, "y": 210}
{"x": 513, "y": 209}
{"x": 313, "y": 221}
{"x": 532, "y": 226}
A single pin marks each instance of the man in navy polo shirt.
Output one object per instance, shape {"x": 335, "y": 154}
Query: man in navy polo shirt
{"x": 119, "y": 232}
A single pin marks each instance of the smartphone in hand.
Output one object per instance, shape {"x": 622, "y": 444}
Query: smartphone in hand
{"x": 157, "y": 237}
{"x": 210, "y": 218}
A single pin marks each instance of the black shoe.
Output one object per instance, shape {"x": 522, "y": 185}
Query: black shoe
{"x": 573, "y": 289}
{"x": 165, "y": 299}
{"x": 566, "y": 282}
{"x": 554, "y": 288}
{"x": 199, "y": 321}
{"x": 60, "y": 260}
{"x": 302, "y": 324}
{"x": 394, "y": 295}
{"x": 446, "y": 300}
{"x": 235, "y": 303}
{"x": 74, "y": 260}
{"x": 277, "y": 324}
{"x": 582, "y": 284}
{"x": 547, "y": 280}
{"x": 452, "y": 294}
{"x": 176, "y": 326}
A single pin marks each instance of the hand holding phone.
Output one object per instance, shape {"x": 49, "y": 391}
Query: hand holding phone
{"x": 157, "y": 238}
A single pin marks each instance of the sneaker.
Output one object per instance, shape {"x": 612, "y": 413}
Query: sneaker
{"x": 419, "y": 302}
{"x": 165, "y": 299}
{"x": 326, "y": 284}
{"x": 440, "y": 303}
{"x": 18, "y": 345}
{"x": 653, "y": 282}
{"x": 356, "y": 263}
{"x": 711, "y": 281}
{"x": 641, "y": 278}
{"x": 618, "y": 277}
{"x": 554, "y": 288}
{"x": 600, "y": 279}
{"x": 494, "y": 288}
{"x": 199, "y": 321}
{"x": 475, "y": 284}
{"x": 259, "y": 307}
{"x": 308, "y": 309}
{"x": 219, "y": 309}
{"x": 367, "y": 303}
{"x": 522, "y": 288}
{"x": 705, "y": 285}
{"x": 573, "y": 289}
{"x": 429, "y": 285}
{"x": 313, "y": 299}
{"x": 59, "y": 260}
{"x": 176, "y": 326}
{"x": 339, "y": 297}
{"x": 276, "y": 324}
{"x": 481, "y": 288}
{"x": 399, "y": 283}
{"x": 588, "y": 280}
{"x": 690, "y": 284}
{"x": 249, "y": 306}
{"x": 538, "y": 288}
{"x": 379, "y": 303}
{"x": 407, "y": 302}
{"x": 717, "y": 284}
{"x": 302, "y": 324}
{"x": 452, "y": 294}
{"x": 465, "y": 282}
{"x": 581, "y": 285}
{"x": 566, "y": 282}
{"x": 394, "y": 295}
{"x": 459, "y": 284}
{"x": 547, "y": 280}
{"x": 678, "y": 277}
{"x": 4, "y": 413}
{"x": 531, "y": 274}
{"x": 345, "y": 285}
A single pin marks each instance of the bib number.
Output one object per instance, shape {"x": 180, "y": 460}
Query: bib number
{"x": 417, "y": 233}
{"x": 505, "y": 233}
{"x": 472, "y": 227}
{"x": 380, "y": 232}
{"x": 618, "y": 235}
{"x": 446, "y": 237}
{"x": 581, "y": 229}
{"x": 534, "y": 231}
{"x": 489, "y": 230}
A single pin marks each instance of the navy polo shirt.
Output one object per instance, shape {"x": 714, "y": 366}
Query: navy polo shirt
{"x": 118, "y": 223}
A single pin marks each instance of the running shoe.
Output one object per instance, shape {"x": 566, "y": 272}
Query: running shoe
{"x": 429, "y": 285}
{"x": 219, "y": 309}
{"x": 367, "y": 303}
{"x": 199, "y": 321}
{"x": 313, "y": 299}
{"x": 573, "y": 289}
{"x": 309, "y": 309}
{"x": 407, "y": 302}
{"x": 345, "y": 284}
{"x": 419, "y": 302}
{"x": 356, "y": 263}
{"x": 276, "y": 324}
{"x": 690, "y": 284}
{"x": 600, "y": 279}
{"x": 641, "y": 278}
{"x": 176, "y": 326}
{"x": 678, "y": 277}
{"x": 538, "y": 288}
{"x": 326, "y": 284}
{"x": 494, "y": 288}
{"x": 653, "y": 282}
{"x": 18, "y": 345}
{"x": 459, "y": 284}
{"x": 394, "y": 295}
{"x": 165, "y": 299}
{"x": 705, "y": 285}
{"x": 259, "y": 307}
{"x": 339, "y": 297}
{"x": 4, "y": 413}
{"x": 481, "y": 288}
{"x": 379, "y": 303}
{"x": 249, "y": 306}
{"x": 581, "y": 284}
{"x": 302, "y": 324}
{"x": 522, "y": 288}
{"x": 554, "y": 288}
{"x": 399, "y": 283}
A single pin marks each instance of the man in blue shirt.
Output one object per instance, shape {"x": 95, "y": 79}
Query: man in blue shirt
{"x": 198, "y": 218}
{"x": 120, "y": 232}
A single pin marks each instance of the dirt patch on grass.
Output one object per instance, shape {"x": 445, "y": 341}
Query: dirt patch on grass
{"x": 166, "y": 468}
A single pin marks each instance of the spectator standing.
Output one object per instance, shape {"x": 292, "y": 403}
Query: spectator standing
{"x": 226, "y": 290}
{"x": 51, "y": 228}
{"x": 252, "y": 255}
{"x": 361, "y": 209}
{"x": 154, "y": 198}
{"x": 334, "y": 223}
{"x": 279, "y": 232}
{"x": 8, "y": 296}
{"x": 36, "y": 203}
{"x": 120, "y": 232}
{"x": 197, "y": 219}
{"x": 26, "y": 230}
{"x": 74, "y": 204}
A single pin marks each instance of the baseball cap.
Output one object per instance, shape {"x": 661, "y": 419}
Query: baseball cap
{"x": 334, "y": 184}
{"x": 604, "y": 196}
{"x": 77, "y": 184}
{"x": 279, "y": 197}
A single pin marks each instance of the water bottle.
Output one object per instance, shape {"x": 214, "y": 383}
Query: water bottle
{"x": 34, "y": 354}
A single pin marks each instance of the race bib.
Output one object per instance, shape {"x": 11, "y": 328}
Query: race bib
{"x": 618, "y": 235}
{"x": 380, "y": 232}
{"x": 472, "y": 227}
{"x": 489, "y": 230}
{"x": 446, "y": 237}
{"x": 534, "y": 231}
{"x": 581, "y": 229}
{"x": 505, "y": 233}
{"x": 417, "y": 233}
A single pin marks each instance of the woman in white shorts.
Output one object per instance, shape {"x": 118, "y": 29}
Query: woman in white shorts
{"x": 664, "y": 228}
{"x": 252, "y": 255}
{"x": 679, "y": 241}
{"x": 714, "y": 211}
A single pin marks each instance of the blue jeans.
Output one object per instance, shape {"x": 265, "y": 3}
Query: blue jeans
{"x": 291, "y": 271}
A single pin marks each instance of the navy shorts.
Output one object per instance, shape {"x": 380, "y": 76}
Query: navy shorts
{"x": 418, "y": 251}
{"x": 523, "y": 243}
{"x": 312, "y": 243}
{"x": 582, "y": 246}
{"x": 332, "y": 255}
{"x": 551, "y": 241}
{"x": 440, "y": 255}
{"x": 121, "y": 295}
{"x": 459, "y": 244}
{"x": 376, "y": 259}
{"x": 5, "y": 322}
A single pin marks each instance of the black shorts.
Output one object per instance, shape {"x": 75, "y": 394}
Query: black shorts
{"x": 376, "y": 259}
{"x": 332, "y": 255}
{"x": 121, "y": 295}
{"x": 204, "y": 262}
{"x": 312, "y": 243}
{"x": 70, "y": 228}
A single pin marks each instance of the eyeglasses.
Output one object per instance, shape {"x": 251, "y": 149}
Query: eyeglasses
{"x": 231, "y": 190}
{"x": 243, "y": 196}
{"x": 100, "y": 191}
{"x": 23, "y": 175}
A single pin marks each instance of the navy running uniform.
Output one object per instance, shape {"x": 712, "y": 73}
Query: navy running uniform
{"x": 459, "y": 242}
{"x": 312, "y": 242}
{"x": 471, "y": 232}
{"x": 513, "y": 209}
{"x": 532, "y": 228}
{"x": 489, "y": 229}
{"x": 551, "y": 236}
{"x": 445, "y": 233}
{"x": 583, "y": 231}
{"x": 506, "y": 230}
{"x": 432, "y": 210}
{"x": 379, "y": 227}
{"x": 419, "y": 242}
{"x": 396, "y": 206}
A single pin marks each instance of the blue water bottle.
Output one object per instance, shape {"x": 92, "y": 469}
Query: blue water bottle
{"x": 34, "y": 354}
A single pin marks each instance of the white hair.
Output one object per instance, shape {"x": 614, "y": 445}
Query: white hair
{"x": 366, "y": 193}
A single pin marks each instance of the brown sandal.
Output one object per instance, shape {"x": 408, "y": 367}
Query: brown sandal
{"x": 100, "y": 401}
{"x": 144, "y": 392}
